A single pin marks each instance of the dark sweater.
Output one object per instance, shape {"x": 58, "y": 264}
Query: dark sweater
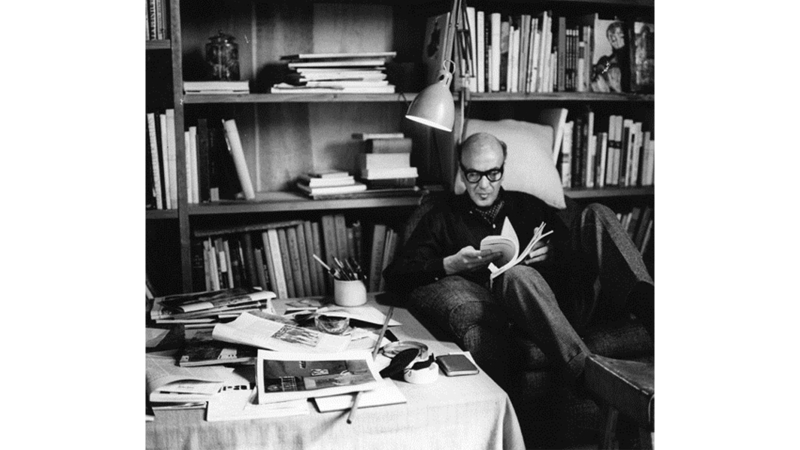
{"x": 452, "y": 225}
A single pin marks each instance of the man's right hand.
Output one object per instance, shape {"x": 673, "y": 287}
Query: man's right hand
{"x": 469, "y": 260}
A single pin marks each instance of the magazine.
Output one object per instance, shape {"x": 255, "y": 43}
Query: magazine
{"x": 507, "y": 244}
{"x": 290, "y": 376}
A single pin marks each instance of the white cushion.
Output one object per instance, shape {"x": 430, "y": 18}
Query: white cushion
{"x": 529, "y": 165}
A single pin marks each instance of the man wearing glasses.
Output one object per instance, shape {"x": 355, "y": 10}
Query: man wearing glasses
{"x": 547, "y": 296}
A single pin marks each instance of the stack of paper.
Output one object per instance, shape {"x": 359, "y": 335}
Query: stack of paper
{"x": 353, "y": 73}
{"x": 210, "y": 306}
{"x": 170, "y": 383}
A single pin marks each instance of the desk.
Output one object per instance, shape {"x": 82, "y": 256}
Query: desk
{"x": 470, "y": 412}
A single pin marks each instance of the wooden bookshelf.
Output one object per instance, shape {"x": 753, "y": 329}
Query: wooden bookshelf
{"x": 287, "y": 134}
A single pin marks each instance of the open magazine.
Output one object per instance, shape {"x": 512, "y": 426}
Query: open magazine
{"x": 283, "y": 376}
{"x": 507, "y": 244}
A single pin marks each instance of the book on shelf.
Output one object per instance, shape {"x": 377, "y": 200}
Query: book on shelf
{"x": 235, "y": 229}
{"x": 340, "y": 230}
{"x": 305, "y": 230}
{"x": 643, "y": 57}
{"x": 375, "y": 136}
{"x": 390, "y": 246}
{"x": 392, "y": 183}
{"x": 507, "y": 244}
{"x": 338, "y": 56}
{"x": 377, "y": 248}
{"x": 275, "y": 263}
{"x": 315, "y": 192}
{"x": 315, "y": 182}
{"x": 157, "y": 163}
{"x": 322, "y": 279}
{"x": 306, "y": 261}
{"x": 286, "y": 88}
{"x": 210, "y": 303}
{"x": 235, "y": 147}
{"x": 283, "y": 246}
{"x": 402, "y": 172}
{"x": 216, "y": 87}
{"x": 308, "y": 75}
{"x": 294, "y": 262}
{"x": 268, "y": 331}
{"x": 379, "y": 161}
{"x": 292, "y": 376}
{"x": 398, "y": 145}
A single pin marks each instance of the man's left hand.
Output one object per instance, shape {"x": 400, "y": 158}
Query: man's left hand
{"x": 539, "y": 253}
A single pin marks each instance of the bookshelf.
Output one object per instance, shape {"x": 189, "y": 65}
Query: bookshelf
{"x": 285, "y": 134}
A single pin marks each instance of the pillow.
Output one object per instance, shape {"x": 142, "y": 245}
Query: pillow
{"x": 529, "y": 165}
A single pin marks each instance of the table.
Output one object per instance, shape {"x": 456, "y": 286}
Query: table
{"x": 469, "y": 412}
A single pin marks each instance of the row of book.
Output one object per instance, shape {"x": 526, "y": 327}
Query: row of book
{"x": 639, "y": 223}
{"x": 623, "y": 156}
{"x": 280, "y": 256}
{"x": 215, "y": 165}
{"x": 345, "y": 73}
{"x": 157, "y": 20}
{"x": 550, "y": 53}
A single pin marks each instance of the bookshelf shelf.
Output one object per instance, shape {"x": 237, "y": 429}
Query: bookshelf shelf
{"x": 610, "y": 192}
{"x": 560, "y": 97}
{"x": 295, "y": 98}
{"x": 154, "y": 214}
{"x": 289, "y": 201}
{"x": 161, "y": 44}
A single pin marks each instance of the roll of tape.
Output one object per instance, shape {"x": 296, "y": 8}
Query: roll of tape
{"x": 422, "y": 376}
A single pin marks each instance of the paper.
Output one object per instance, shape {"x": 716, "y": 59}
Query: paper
{"x": 168, "y": 382}
{"x": 387, "y": 393}
{"x": 290, "y": 376}
{"x": 242, "y": 405}
{"x": 507, "y": 244}
{"x": 260, "y": 331}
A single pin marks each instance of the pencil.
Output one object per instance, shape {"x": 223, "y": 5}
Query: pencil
{"x": 375, "y": 348}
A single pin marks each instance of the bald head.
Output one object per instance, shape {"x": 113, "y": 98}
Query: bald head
{"x": 482, "y": 142}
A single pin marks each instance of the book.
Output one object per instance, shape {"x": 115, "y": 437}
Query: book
{"x": 274, "y": 332}
{"x": 328, "y": 174}
{"x": 380, "y": 161}
{"x": 235, "y": 147}
{"x": 291, "y": 376}
{"x": 387, "y": 393}
{"x": 399, "y": 145}
{"x": 340, "y": 227}
{"x": 328, "y": 190}
{"x": 373, "y": 136}
{"x": 249, "y": 263}
{"x": 329, "y": 239}
{"x": 228, "y": 229}
{"x": 154, "y": 157}
{"x": 203, "y": 163}
{"x": 216, "y": 87}
{"x": 305, "y": 261}
{"x": 507, "y": 244}
{"x": 390, "y": 183}
{"x": 210, "y": 352}
{"x": 315, "y": 182}
{"x": 376, "y": 256}
{"x": 288, "y": 273}
{"x": 610, "y": 58}
{"x": 294, "y": 262}
{"x": 313, "y": 273}
{"x": 337, "y": 56}
{"x": 402, "y": 172}
{"x": 208, "y": 301}
{"x": 275, "y": 263}
{"x": 388, "y": 254}
{"x": 318, "y": 250}
{"x": 643, "y": 57}
{"x": 167, "y": 382}
{"x": 285, "y": 88}
{"x": 261, "y": 268}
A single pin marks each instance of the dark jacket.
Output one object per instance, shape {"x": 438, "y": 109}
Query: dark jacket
{"x": 452, "y": 225}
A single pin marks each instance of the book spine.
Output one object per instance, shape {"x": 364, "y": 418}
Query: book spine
{"x": 357, "y": 243}
{"x": 305, "y": 268}
{"x": 286, "y": 259}
{"x": 229, "y": 263}
{"x": 340, "y": 227}
{"x": 388, "y": 254}
{"x": 402, "y": 145}
{"x": 198, "y": 265}
{"x": 273, "y": 285}
{"x": 261, "y": 269}
{"x": 566, "y": 156}
{"x": 213, "y": 268}
{"x": 187, "y": 139}
{"x": 561, "y": 48}
{"x": 235, "y": 147}
{"x": 154, "y": 156}
{"x": 308, "y": 239}
{"x": 322, "y": 278}
{"x": 277, "y": 263}
{"x": 496, "y": 63}
{"x": 480, "y": 48}
{"x": 173, "y": 163}
{"x": 376, "y": 256}
{"x": 167, "y": 170}
{"x": 294, "y": 261}
{"x": 249, "y": 262}
{"x": 603, "y": 159}
{"x": 372, "y": 161}
{"x": 329, "y": 239}
{"x": 203, "y": 175}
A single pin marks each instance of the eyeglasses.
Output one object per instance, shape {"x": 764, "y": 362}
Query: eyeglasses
{"x": 474, "y": 176}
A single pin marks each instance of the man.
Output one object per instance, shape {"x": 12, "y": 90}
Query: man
{"x": 548, "y": 296}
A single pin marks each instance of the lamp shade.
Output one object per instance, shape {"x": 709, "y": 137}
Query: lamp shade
{"x": 433, "y": 107}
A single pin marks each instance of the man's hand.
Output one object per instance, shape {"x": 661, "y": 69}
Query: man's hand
{"x": 540, "y": 252}
{"x": 469, "y": 260}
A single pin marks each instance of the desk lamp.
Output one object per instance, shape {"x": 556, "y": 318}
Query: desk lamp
{"x": 434, "y": 105}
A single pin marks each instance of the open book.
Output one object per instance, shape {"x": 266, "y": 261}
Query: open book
{"x": 507, "y": 244}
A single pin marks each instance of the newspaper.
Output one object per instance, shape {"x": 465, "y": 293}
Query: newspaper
{"x": 290, "y": 376}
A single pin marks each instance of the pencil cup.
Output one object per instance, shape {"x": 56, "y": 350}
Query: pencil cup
{"x": 349, "y": 292}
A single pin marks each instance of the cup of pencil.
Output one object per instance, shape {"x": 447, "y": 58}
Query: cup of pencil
{"x": 348, "y": 281}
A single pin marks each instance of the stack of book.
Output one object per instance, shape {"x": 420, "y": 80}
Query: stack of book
{"x": 216, "y": 87}
{"x": 352, "y": 73}
{"x": 328, "y": 183}
{"x": 386, "y": 162}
